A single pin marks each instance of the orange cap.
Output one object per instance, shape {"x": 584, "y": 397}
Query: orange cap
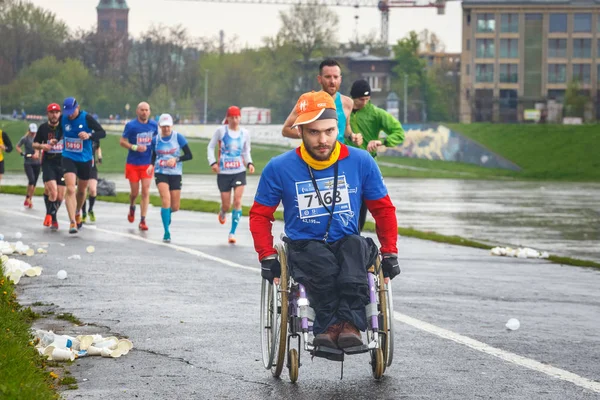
{"x": 311, "y": 106}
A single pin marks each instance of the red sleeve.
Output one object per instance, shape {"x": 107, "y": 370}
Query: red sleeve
{"x": 261, "y": 222}
{"x": 386, "y": 224}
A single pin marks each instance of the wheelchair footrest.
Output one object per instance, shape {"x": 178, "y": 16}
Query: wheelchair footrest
{"x": 328, "y": 353}
{"x": 356, "y": 349}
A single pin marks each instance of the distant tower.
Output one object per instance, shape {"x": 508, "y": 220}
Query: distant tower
{"x": 113, "y": 17}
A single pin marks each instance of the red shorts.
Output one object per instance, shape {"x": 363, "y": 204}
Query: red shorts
{"x": 135, "y": 173}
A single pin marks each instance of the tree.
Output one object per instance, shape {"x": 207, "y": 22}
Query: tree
{"x": 159, "y": 58}
{"x": 28, "y": 33}
{"x": 311, "y": 31}
{"x": 575, "y": 102}
{"x": 430, "y": 91}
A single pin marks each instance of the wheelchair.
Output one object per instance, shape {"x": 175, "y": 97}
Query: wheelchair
{"x": 286, "y": 323}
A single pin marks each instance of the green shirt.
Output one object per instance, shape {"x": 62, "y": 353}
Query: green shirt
{"x": 370, "y": 121}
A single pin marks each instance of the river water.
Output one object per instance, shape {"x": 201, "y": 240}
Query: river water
{"x": 558, "y": 217}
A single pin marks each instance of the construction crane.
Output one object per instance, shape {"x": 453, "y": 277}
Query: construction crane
{"x": 384, "y": 6}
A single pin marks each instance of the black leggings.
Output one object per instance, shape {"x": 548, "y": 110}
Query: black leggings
{"x": 335, "y": 277}
{"x": 33, "y": 173}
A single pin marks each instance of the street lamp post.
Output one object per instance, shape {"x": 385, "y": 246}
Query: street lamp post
{"x": 205, "y": 95}
{"x": 405, "y": 98}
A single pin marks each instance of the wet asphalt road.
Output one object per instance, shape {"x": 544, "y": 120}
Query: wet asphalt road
{"x": 562, "y": 218}
{"x": 191, "y": 309}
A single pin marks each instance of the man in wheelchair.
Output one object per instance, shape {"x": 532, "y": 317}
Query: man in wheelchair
{"x": 321, "y": 185}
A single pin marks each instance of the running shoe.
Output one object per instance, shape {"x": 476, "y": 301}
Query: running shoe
{"x": 26, "y": 202}
{"x": 231, "y": 238}
{"x": 72, "y": 227}
{"x": 222, "y": 217}
{"x": 131, "y": 215}
{"x": 92, "y": 217}
{"x": 143, "y": 226}
{"x": 48, "y": 220}
{"x": 84, "y": 218}
{"x": 30, "y": 203}
{"x": 167, "y": 237}
{"x": 54, "y": 226}
{"x": 78, "y": 221}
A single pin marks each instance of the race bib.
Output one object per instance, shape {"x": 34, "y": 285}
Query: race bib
{"x": 57, "y": 148}
{"x": 163, "y": 164}
{"x": 231, "y": 163}
{"x": 74, "y": 145}
{"x": 309, "y": 204}
{"x": 144, "y": 138}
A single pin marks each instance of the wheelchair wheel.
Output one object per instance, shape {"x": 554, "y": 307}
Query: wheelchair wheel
{"x": 386, "y": 322}
{"x": 377, "y": 363}
{"x": 268, "y": 322}
{"x": 388, "y": 354}
{"x": 281, "y": 304}
{"x": 293, "y": 363}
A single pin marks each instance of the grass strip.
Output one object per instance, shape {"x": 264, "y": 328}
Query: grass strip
{"x": 210, "y": 206}
{"x": 21, "y": 367}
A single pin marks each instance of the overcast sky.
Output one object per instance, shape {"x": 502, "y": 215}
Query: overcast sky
{"x": 252, "y": 22}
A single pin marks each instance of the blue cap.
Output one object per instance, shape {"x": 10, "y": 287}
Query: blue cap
{"x": 69, "y": 106}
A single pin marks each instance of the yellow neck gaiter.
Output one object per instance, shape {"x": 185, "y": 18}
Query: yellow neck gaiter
{"x": 319, "y": 165}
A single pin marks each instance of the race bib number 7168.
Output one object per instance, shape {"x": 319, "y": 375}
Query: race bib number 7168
{"x": 310, "y": 205}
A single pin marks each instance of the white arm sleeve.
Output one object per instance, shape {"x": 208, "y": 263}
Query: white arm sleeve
{"x": 246, "y": 149}
{"x": 211, "y": 147}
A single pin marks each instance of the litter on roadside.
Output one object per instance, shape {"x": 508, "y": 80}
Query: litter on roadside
{"x": 521, "y": 252}
{"x": 64, "y": 348}
{"x": 15, "y": 269}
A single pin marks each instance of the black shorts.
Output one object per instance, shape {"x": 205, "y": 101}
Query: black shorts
{"x": 94, "y": 172}
{"x": 83, "y": 170}
{"x": 53, "y": 171}
{"x": 227, "y": 182}
{"x": 174, "y": 181}
{"x": 33, "y": 173}
{"x": 2, "y": 167}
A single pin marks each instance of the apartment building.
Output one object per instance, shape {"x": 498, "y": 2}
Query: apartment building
{"x": 517, "y": 54}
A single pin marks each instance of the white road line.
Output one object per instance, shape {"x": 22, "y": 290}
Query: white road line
{"x": 516, "y": 359}
{"x": 504, "y": 355}
{"x": 193, "y": 252}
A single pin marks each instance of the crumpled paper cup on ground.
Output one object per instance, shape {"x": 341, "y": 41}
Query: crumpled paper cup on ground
{"x": 124, "y": 346}
{"x": 56, "y": 354}
{"x": 15, "y": 277}
{"x": 85, "y": 342}
{"x": 94, "y": 351}
{"x": 109, "y": 343}
{"x": 33, "y": 271}
{"x": 107, "y": 352}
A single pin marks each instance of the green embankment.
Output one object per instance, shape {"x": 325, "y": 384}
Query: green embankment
{"x": 544, "y": 152}
{"x": 22, "y": 375}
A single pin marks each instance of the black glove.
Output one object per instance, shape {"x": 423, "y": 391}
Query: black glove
{"x": 390, "y": 266}
{"x": 270, "y": 268}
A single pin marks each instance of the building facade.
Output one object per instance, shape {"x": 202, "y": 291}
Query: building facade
{"x": 113, "y": 17}
{"x": 519, "y": 54}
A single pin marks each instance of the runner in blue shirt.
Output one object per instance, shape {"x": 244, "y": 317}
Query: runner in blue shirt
{"x": 79, "y": 130}
{"x": 168, "y": 169}
{"x": 137, "y": 138}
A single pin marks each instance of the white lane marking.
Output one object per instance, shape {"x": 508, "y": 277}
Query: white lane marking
{"x": 504, "y": 355}
{"x": 516, "y": 359}
{"x": 196, "y": 253}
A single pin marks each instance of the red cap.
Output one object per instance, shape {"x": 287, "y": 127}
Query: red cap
{"x": 53, "y": 107}
{"x": 233, "y": 111}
